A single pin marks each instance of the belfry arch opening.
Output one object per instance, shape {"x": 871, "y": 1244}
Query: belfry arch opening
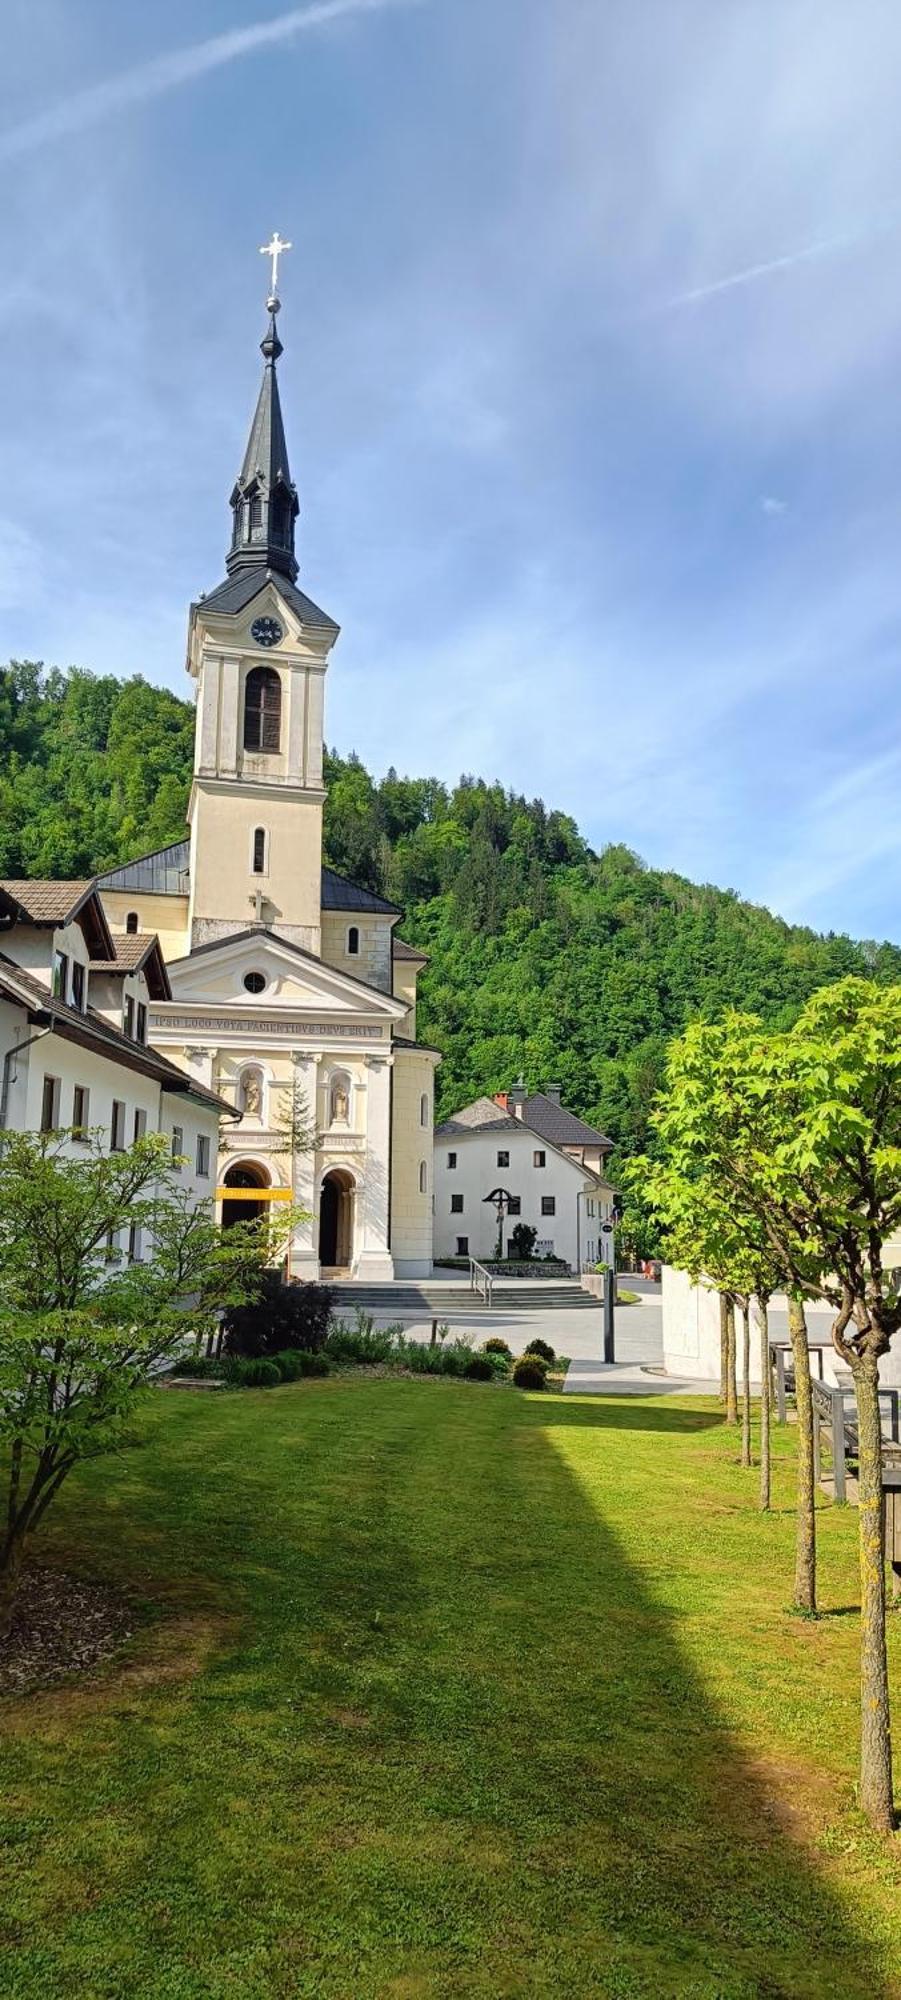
{"x": 336, "y": 1221}
{"x": 239, "y": 1204}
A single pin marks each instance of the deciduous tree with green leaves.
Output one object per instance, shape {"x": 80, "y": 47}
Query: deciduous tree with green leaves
{"x": 804, "y": 1128}
{"x": 81, "y": 1332}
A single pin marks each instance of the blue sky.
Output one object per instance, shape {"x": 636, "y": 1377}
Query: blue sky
{"x": 592, "y": 382}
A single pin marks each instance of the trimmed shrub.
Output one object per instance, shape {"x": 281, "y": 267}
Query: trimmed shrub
{"x": 530, "y": 1372}
{"x": 479, "y": 1369}
{"x": 544, "y": 1352}
{"x": 522, "y": 1242}
{"x": 281, "y": 1316}
{"x": 498, "y": 1346}
{"x": 254, "y": 1373}
{"x": 289, "y": 1363}
{"x": 202, "y": 1367}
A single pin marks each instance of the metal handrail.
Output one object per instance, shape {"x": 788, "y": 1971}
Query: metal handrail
{"x": 480, "y": 1281}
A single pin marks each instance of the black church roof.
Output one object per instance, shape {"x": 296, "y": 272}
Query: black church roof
{"x": 165, "y": 873}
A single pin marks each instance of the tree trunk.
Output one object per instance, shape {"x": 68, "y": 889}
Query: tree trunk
{"x": 806, "y": 1542}
{"x": 765, "y": 1404}
{"x": 724, "y": 1346}
{"x": 746, "y": 1382}
{"x": 10, "y": 1574}
{"x": 875, "y": 1725}
{"x": 731, "y": 1384}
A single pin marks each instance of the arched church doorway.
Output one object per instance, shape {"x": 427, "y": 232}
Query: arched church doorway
{"x": 238, "y": 1207}
{"x": 336, "y": 1221}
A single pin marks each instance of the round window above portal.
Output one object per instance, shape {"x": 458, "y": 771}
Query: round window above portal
{"x": 255, "y": 982}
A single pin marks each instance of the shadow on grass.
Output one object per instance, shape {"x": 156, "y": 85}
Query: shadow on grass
{"x": 458, "y": 1750}
{"x": 631, "y": 1413}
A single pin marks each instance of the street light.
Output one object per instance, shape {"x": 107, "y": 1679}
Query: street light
{"x": 607, "y": 1231}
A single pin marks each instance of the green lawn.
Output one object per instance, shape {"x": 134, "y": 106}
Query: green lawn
{"x": 444, "y": 1691}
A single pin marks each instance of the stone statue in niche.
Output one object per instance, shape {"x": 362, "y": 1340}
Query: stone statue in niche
{"x": 340, "y": 1104}
{"x": 252, "y": 1094}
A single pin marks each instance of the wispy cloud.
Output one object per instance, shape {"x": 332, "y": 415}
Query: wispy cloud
{"x": 808, "y": 254}
{"x": 173, "y": 69}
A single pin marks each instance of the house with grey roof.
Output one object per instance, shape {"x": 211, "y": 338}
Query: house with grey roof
{"x": 545, "y": 1161}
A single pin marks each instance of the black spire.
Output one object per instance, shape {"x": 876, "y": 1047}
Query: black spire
{"x": 264, "y": 501}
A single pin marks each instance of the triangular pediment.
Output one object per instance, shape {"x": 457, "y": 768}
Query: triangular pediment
{"x": 295, "y": 982}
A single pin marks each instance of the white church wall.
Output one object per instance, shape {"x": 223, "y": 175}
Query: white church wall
{"x": 691, "y": 1334}
{"x": 412, "y": 1146}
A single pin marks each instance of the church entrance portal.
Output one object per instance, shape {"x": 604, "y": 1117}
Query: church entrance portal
{"x": 238, "y": 1208}
{"x": 336, "y": 1221}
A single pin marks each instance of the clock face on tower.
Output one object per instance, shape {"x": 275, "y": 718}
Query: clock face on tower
{"x": 266, "y": 631}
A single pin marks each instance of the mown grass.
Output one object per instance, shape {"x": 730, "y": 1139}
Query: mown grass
{"x": 444, "y": 1691}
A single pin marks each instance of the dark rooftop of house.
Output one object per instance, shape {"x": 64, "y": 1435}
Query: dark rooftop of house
{"x": 544, "y": 1114}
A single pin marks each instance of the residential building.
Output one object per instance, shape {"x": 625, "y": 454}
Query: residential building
{"x": 73, "y": 1023}
{"x": 506, "y": 1143}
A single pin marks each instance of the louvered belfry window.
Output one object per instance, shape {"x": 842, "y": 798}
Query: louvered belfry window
{"x": 262, "y": 709}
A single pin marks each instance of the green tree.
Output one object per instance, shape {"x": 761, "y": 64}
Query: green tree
{"x": 81, "y": 1334}
{"x": 804, "y": 1127}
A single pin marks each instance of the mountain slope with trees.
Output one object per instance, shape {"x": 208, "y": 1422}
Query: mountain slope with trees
{"x": 545, "y": 957}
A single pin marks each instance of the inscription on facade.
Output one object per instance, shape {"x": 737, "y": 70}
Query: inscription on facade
{"x": 265, "y": 1030}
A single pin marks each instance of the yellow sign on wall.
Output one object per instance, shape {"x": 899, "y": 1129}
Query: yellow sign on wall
{"x": 253, "y": 1194}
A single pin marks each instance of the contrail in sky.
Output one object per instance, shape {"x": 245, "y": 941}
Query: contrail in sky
{"x": 168, "y": 72}
{"x": 807, "y": 255}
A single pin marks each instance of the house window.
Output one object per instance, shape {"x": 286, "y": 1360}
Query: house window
{"x": 134, "y": 1243}
{"x": 423, "y": 1178}
{"x": 514, "y": 1205}
{"x": 548, "y": 1204}
{"x": 462, "y": 1246}
{"x": 503, "y": 1159}
{"x": 456, "y": 1204}
{"x": 141, "y": 1022}
{"x": 539, "y": 1159}
{"x": 254, "y": 982}
{"x": 140, "y": 1126}
{"x": 259, "y": 850}
{"x": 112, "y": 1252}
{"x": 78, "y": 985}
{"x": 423, "y": 1109}
{"x": 131, "y": 923}
{"x": 262, "y": 709}
{"x": 80, "y": 1109}
{"x": 128, "y": 1016}
{"x": 117, "y": 1127}
{"x": 353, "y": 942}
{"x": 451, "y": 1161}
{"x": 61, "y": 975}
{"x": 203, "y": 1156}
{"x": 50, "y": 1104}
{"x": 178, "y": 1147}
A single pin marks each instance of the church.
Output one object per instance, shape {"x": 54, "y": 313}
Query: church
{"x": 293, "y": 998}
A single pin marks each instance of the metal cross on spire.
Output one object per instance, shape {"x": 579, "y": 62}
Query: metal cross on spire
{"x": 275, "y": 250}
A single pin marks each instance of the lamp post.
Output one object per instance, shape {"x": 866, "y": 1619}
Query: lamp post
{"x": 607, "y": 1231}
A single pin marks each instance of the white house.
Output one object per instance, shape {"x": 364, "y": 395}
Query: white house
{"x": 74, "y": 1014}
{"x": 537, "y": 1152}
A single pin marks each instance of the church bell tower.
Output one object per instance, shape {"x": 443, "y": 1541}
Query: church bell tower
{"x": 258, "y": 648}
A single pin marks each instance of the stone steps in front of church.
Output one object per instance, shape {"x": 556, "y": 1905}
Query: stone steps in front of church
{"x": 405, "y": 1300}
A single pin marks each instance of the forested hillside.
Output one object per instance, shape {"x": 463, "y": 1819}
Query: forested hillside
{"x": 546, "y": 957}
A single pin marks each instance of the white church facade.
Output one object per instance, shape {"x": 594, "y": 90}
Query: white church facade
{"x": 292, "y": 997}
